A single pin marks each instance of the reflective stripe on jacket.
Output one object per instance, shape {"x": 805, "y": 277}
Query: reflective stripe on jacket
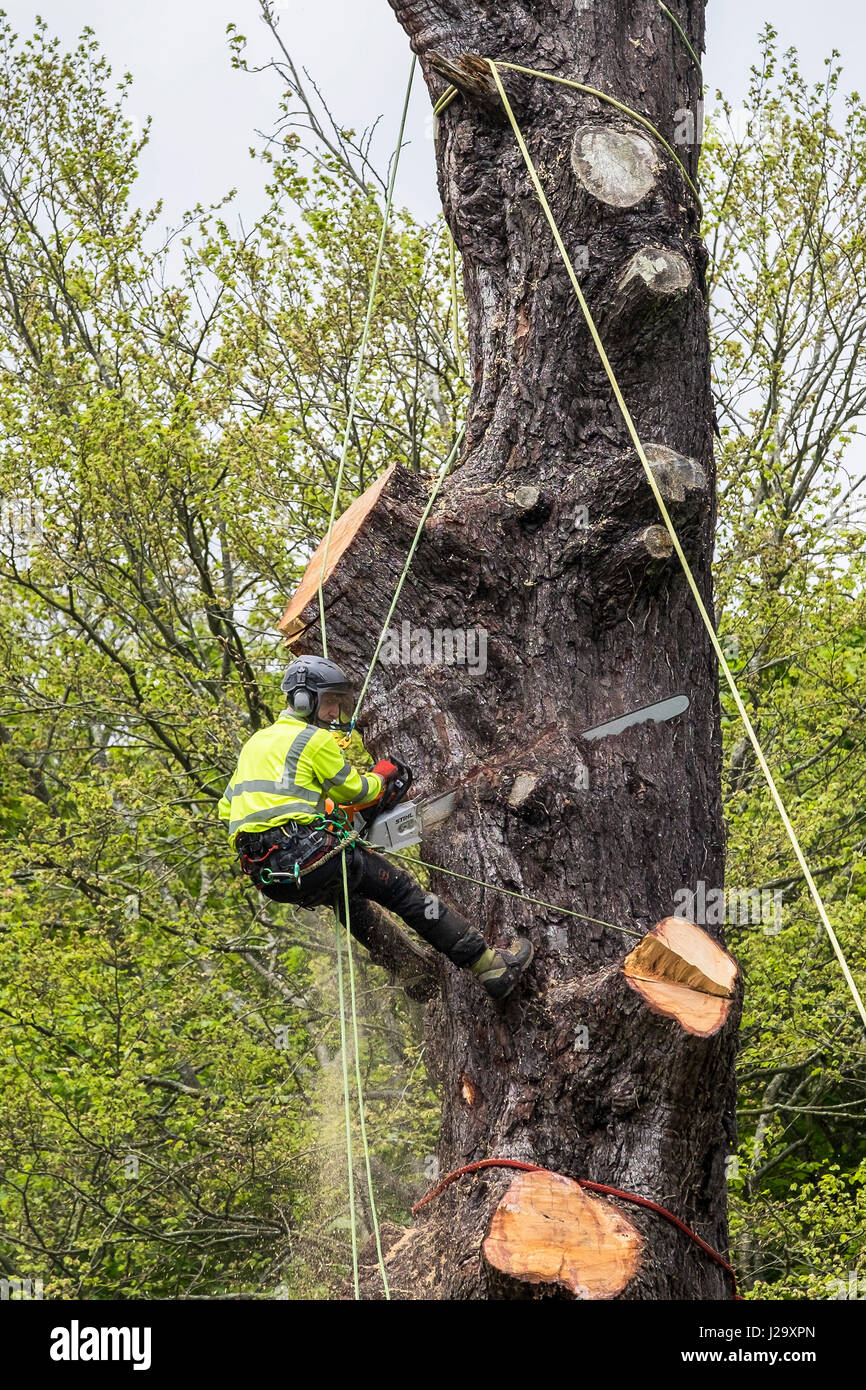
{"x": 285, "y": 772}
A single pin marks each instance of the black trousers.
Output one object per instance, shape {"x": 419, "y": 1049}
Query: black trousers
{"x": 370, "y": 877}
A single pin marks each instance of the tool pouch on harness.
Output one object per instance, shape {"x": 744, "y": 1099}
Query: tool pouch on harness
{"x": 286, "y": 853}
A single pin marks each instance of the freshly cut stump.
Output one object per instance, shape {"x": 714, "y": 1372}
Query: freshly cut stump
{"x": 681, "y": 972}
{"x": 346, "y": 528}
{"x": 547, "y": 1230}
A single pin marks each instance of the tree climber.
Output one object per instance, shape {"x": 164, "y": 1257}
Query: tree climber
{"x": 277, "y": 818}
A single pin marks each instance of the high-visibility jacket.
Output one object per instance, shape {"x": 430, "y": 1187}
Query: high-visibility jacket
{"x": 285, "y": 772}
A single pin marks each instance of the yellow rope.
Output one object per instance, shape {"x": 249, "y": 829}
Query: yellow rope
{"x": 451, "y": 92}
{"x": 685, "y": 38}
{"x": 743, "y": 712}
{"x": 445, "y": 100}
{"x": 455, "y": 324}
{"x": 602, "y": 96}
{"x": 361, "y": 1117}
{"x": 386, "y": 215}
{"x": 362, "y": 352}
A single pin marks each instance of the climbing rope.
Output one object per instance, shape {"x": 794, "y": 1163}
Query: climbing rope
{"x": 434, "y": 492}
{"x": 602, "y": 96}
{"x": 509, "y": 892}
{"x": 684, "y": 36}
{"x": 361, "y": 1116}
{"x": 455, "y": 324}
{"x": 687, "y": 570}
{"x": 453, "y": 92}
{"x": 602, "y": 1188}
{"x": 386, "y": 216}
{"x": 362, "y": 351}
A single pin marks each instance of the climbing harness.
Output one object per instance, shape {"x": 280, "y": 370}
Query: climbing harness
{"x": 316, "y": 862}
{"x": 311, "y": 842}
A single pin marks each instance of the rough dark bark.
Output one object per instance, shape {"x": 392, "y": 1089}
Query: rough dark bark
{"x": 584, "y": 623}
{"x": 410, "y": 964}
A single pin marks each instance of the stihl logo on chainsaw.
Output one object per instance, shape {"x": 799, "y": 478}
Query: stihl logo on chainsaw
{"x": 396, "y": 823}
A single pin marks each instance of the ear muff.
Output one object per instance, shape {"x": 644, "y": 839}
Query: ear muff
{"x": 301, "y": 702}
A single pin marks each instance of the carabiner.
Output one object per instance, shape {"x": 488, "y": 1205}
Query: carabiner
{"x": 268, "y": 875}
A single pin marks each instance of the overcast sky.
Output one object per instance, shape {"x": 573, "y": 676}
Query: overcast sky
{"x": 205, "y": 115}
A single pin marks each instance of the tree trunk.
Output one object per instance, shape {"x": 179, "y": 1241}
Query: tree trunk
{"x": 546, "y": 538}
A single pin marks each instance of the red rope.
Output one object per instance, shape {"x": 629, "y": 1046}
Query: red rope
{"x": 591, "y": 1187}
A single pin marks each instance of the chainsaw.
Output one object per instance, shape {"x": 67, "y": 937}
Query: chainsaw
{"x": 394, "y": 823}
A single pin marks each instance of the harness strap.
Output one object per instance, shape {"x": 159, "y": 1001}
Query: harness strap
{"x": 315, "y": 863}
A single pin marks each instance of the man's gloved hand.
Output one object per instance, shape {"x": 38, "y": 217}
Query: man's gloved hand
{"x": 385, "y": 769}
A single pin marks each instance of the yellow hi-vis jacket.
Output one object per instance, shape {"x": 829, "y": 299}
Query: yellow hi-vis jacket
{"x": 285, "y": 772}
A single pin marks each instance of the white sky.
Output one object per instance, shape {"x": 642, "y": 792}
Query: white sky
{"x": 205, "y": 115}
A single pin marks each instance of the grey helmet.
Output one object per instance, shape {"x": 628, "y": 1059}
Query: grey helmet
{"x": 308, "y": 678}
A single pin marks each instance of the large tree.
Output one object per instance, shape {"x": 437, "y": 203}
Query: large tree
{"x": 584, "y": 623}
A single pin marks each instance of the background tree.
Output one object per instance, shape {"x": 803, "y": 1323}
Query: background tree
{"x": 174, "y": 407}
{"x": 785, "y": 227}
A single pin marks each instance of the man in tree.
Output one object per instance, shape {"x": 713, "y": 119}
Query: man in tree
{"x": 282, "y": 778}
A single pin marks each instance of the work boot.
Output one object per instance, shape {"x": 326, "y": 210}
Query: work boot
{"x": 499, "y": 971}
